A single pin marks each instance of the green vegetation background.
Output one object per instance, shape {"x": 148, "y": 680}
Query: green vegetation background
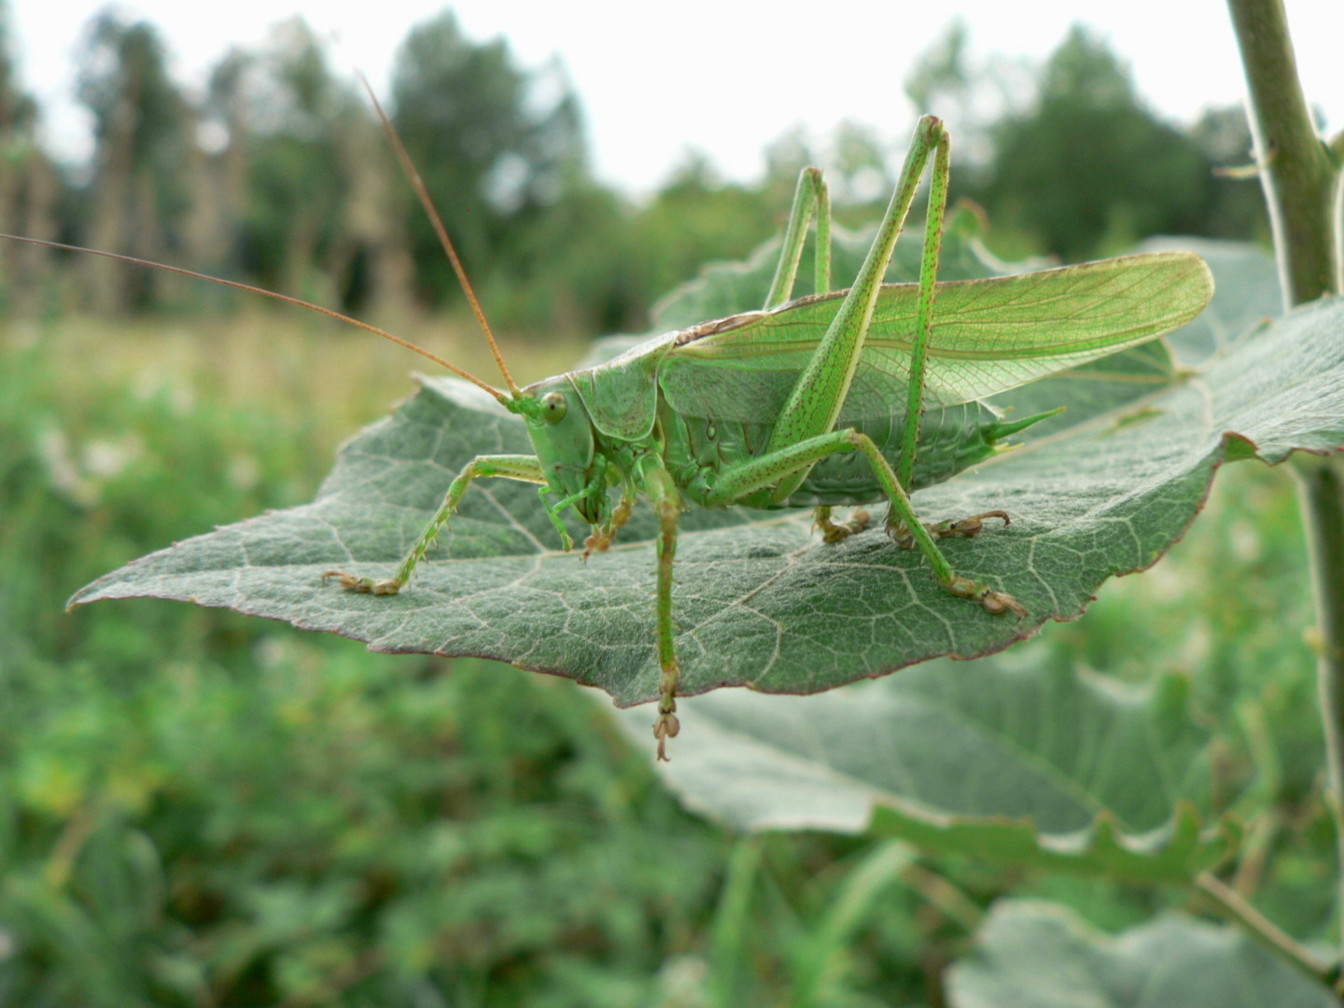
{"x": 202, "y": 809}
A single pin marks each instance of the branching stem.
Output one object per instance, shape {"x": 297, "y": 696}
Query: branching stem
{"x": 1235, "y": 907}
{"x": 1301, "y": 181}
{"x": 1297, "y": 169}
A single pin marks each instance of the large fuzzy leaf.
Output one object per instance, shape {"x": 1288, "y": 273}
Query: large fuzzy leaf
{"x": 1034, "y": 955}
{"x": 1004, "y": 759}
{"x": 760, "y": 601}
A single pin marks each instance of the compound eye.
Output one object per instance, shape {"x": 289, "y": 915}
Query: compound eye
{"x": 554, "y": 406}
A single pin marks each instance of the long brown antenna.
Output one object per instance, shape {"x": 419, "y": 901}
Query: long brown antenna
{"x": 408, "y": 166}
{"x": 299, "y": 302}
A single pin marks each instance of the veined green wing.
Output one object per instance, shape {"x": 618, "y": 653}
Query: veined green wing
{"x": 989, "y": 336}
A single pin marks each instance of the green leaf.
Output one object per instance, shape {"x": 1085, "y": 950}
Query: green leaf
{"x": 760, "y": 601}
{"x": 1036, "y": 955}
{"x": 1004, "y": 759}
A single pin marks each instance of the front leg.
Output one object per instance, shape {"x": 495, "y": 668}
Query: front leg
{"x": 602, "y": 535}
{"x": 666, "y": 501}
{"x": 524, "y": 468}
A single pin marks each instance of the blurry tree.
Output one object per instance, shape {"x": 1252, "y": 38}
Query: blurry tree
{"x": 29, "y": 187}
{"x": 143, "y": 135}
{"x": 373, "y": 260}
{"x": 300, "y": 130}
{"x": 294, "y": 192}
{"x": 697, "y": 218}
{"x": 18, "y": 111}
{"x": 785, "y": 157}
{"x": 1089, "y": 168}
{"x": 940, "y": 77}
{"x": 574, "y": 269}
{"x": 972, "y": 91}
{"x": 856, "y": 160}
{"x": 860, "y": 174}
{"x": 1224, "y": 135}
{"x": 212, "y": 234}
{"x": 495, "y": 145}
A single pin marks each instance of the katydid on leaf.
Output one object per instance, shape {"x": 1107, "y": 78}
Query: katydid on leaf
{"x": 764, "y": 409}
{"x": 846, "y": 397}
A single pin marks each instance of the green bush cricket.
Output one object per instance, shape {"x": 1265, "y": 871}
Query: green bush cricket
{"x": 762, "y": 409}
{"x": 842, "y": 398}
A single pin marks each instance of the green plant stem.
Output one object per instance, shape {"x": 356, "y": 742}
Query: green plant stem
{"x": 1321, "y": 491}
{"x": 1236, "y": 907}
{"x": 1301, "y": 178}
{"x": 1296, "y": 168}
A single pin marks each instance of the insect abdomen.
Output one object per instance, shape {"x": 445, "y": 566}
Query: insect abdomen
{"x": 950, "y": 439}
{"x": 697, "y": 449}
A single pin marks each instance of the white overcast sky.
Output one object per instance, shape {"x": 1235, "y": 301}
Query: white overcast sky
{"x": 718, "y": 76}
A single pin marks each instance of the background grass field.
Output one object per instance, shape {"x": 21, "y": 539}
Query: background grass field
{"x": 202, "y": 809}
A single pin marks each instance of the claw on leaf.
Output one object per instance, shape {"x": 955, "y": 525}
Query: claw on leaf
{"x": 835, "y": 531}
{"x": 667, "y": 726}
{"x": 966, "y": 527}
{"x": 598, "y": 542}
{"x": 900, "y": 535}
{"x": 364, "y": 585}
{"x": 996, "y": 602}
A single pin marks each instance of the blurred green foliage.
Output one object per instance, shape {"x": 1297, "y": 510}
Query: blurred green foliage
{"x": 1088, "y": 134}
{"x": 202, "y": 809}
{"x": 280, "y": 175}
